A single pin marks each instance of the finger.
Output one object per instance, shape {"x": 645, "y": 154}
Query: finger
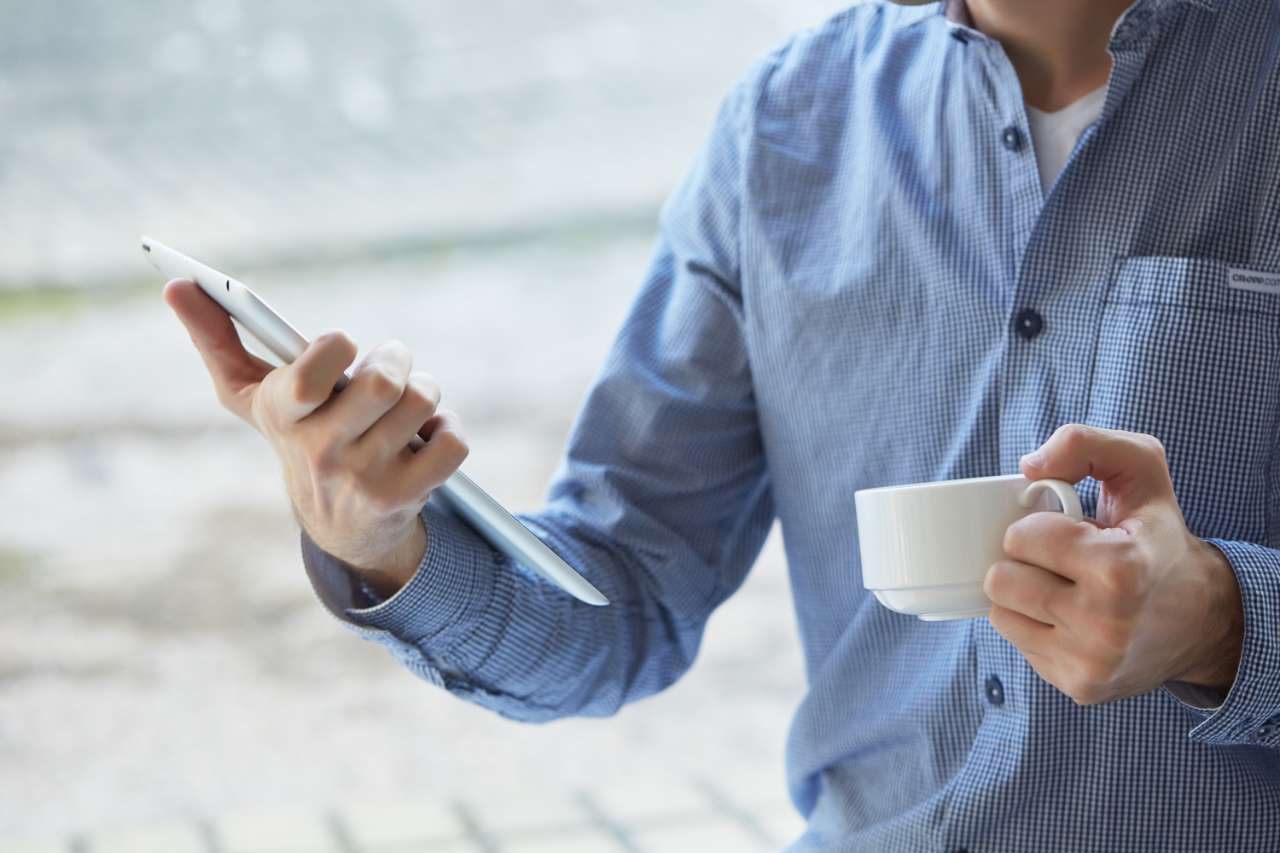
{"x": 302, "y": 387}
{"x": 1029, "y": 590}
{"x": 234, "y": 370}
{"x": 441, "y": 455}
{"x": 1031, "y": 637}
{"x": 397, "y": 427}
{"x": 1053, "y": 541}
{"x": 1131, "y": 466}
{"x": 374, "y": 389}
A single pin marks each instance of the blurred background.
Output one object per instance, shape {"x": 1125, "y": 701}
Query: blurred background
{"x": 480, "y": 179}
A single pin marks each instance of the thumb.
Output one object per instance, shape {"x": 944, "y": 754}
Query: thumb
{"x": 234, "y": 370}
{"x": 1131, "y": 466}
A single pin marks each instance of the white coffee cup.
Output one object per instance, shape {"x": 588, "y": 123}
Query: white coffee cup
{"x": 926, "y": 548}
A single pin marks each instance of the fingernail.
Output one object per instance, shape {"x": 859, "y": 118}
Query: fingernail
{"x": 1033, "y": 459}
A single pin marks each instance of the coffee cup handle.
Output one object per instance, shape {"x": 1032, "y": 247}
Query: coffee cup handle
{"x": 1064, "y": 491}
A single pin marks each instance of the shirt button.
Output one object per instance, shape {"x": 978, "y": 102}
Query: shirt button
{"x": 960, "y": 35}
{"x": 994, "y": 690}
{"x": 1029, "y": 323}
{"x": 1012, "y": 138}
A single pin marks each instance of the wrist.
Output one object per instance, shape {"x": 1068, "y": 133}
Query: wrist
{"x": 389, "y": 575}
{"x": 1222, "y": 634}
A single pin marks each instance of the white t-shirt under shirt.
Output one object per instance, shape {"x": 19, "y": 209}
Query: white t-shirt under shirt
{"x": 1054, "y": 135}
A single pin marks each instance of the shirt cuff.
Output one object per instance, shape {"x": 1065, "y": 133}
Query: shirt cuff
{"x": 1250, "y": 711}
{"x": 335, "y": 583}
{"x": 451, "y": 587}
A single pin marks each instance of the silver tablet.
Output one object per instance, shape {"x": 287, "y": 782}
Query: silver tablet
{"x": 459, "y": 492}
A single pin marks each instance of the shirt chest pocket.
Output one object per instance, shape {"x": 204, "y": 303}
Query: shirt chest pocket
{"x": 1184, "y": 356}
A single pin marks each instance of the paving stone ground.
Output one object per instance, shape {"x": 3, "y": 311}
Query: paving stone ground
{"x": 691, "y": 819}
{"x": 479, "y": 179}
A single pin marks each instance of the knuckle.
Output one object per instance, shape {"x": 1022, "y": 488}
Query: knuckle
{"x": 1154, "y": 446}
{"x": 997, "y": 581}
{"x": 461, "y": 447}
{"x": 448, "y": 438}
{"x": 384, "y": 385}
{"x": 448, "y": 443}
{"x": 426, "y": 385}
{"x": 396, "y": 350}
{"x": 346, "y": 345}
{"x": 1113, "y": 639}
{"x": 301, "y": 390}
{"x": 1114, "y": 584}
{"x": 1117, "y": 579}
{"x": 456, "y": 446}
{"x": 413, "y": 398}
{"x": 1014, "y": 538}
{"x": 341, "y": 343}
{"x": 420, "y": 398}
{"x": 1072, "y": 436}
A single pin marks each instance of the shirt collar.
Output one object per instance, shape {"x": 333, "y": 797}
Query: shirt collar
{"x": 957, "y": 11}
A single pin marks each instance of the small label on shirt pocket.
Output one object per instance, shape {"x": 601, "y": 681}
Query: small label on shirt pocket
{"x": 1195, "y": 283}
{"x": 1239, "y": 278}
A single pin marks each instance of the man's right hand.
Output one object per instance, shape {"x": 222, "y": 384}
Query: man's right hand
{"x": 356, "y": 487}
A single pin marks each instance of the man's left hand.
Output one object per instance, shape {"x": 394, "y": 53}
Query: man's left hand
{"x": 1114, "y": 607}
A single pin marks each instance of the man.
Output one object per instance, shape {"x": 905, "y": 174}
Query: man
{"x": 920, "y": 243}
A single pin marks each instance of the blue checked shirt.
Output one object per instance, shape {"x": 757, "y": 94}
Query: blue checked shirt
{"x": 860, "y": 282}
